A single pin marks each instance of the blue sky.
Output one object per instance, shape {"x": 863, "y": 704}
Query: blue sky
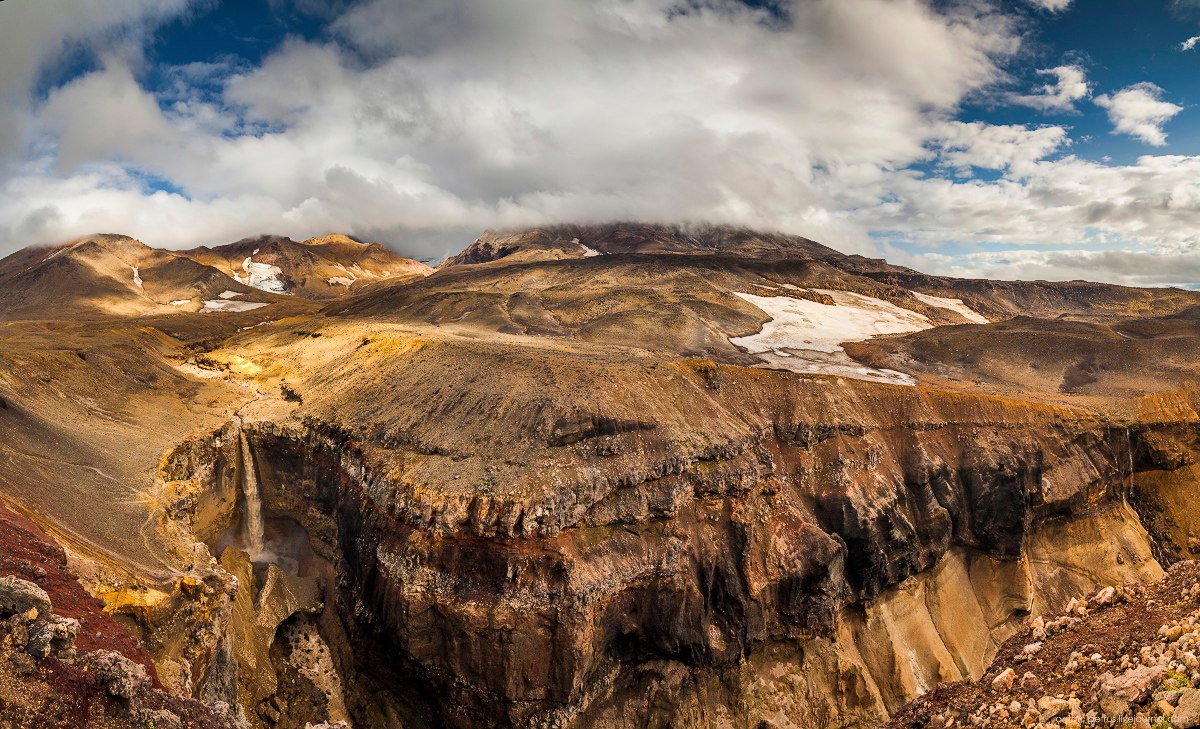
{"x": 1000, "y": 138}
{"x": 1119, "y": 43}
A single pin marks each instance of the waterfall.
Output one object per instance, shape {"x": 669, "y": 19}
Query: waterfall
{"x": 253, "y": 520}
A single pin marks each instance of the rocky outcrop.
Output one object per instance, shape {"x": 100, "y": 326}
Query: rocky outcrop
{"x": 19, "y": 596}
{"x": 32, "y": 629}
{"x": 259, "y": 610}
{"x": 46, "y": 682}
{"x": 1119, "y": 656}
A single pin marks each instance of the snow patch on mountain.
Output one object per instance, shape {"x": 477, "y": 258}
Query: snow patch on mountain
{"x": 261, "y": 275}
{"x": 587, "y": 252}
{"x": 806, "y": 336}
{"x": 955, "y": 305}
{"x": 214, "y": 306}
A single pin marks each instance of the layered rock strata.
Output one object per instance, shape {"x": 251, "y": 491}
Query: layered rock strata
{"x": 815, "y": 572}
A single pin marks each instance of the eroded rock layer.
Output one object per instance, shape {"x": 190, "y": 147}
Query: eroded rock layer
{"x": 819, "y": 569}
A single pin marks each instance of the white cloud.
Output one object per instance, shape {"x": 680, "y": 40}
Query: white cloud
{"x": 430, "y": 121}
{"x": 1070, "y": 85}
{"x": 997, "y": 147}
{"x": 1059, "y": 219}
{"x": 1139, "y": 111}
{"x": 1166, "y": 266}
{"x": 35, "y": 36}
{"x": 1190, "y": 43}
{"x": 475, "y": 113}
{"x": 1053, "y": 6}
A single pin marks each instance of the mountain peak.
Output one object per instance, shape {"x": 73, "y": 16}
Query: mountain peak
{"x": 122, "y": 246}
{"x": 322, "y": 267}
{"x": 335, "y": 239}
{"x": 587, "y": 241}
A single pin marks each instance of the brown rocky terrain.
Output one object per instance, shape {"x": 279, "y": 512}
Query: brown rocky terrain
{"x": 103, "y": 275}
{"x": 1119, "y": 657}
{"x": 604, "y": 476}
{"x": 64, "y": 661}
{"x": 318, "y": 268}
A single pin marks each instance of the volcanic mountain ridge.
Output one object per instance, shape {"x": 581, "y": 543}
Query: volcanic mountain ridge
{"x": 105, "y": 275}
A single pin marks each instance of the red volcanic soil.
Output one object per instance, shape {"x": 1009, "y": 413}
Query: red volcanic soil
{"x": 65, "y": 693}
{"x": 28, "y": 553}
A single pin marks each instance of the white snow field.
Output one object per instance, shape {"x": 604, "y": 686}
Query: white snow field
{"x": 955, "y": 305}
{"x": 213, "y": 306}
{"x": 261, "y": 276}
{"x": 137, "y": 278}
{"x": 587, "y": 252}
{"x": 805, "y": 336}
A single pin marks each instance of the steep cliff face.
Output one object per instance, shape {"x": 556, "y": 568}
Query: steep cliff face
{"x": 821, "y": 570}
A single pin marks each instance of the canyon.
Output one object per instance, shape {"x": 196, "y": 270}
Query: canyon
{"x": 590, "y": 476}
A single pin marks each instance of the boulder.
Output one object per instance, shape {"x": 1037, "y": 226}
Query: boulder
{"x": 54, "y": 635}
{"x": 19, "y": 596}
{"x": 121, "y": 676}
{"x": 1187, "y": 711}
{"x": 1004, "y": 681}
{"x": 1117, "y": 693}
{"x": 1051, "y": 707}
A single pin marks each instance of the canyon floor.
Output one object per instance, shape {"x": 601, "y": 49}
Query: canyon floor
{"x": 583, "y": 476}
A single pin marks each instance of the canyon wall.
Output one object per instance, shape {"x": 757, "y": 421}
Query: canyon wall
{"x": 815, "y": 573}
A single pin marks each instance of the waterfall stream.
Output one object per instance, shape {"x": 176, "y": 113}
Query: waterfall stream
{"x": 253, "y": 523}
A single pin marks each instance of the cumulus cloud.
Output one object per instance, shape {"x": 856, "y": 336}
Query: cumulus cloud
{"x": 422, "y": 117}
{"x": 1013, "y": 147}
{"x": 34, "y": 37}
{"x": 1069, "y": 85}
{"x": 1140, "y": 112}
{"x": 422, "y": 123}
{"x": 1190, "y": 43}
{"x": 1053, "y": 6}
{"x": 1144, "y": 217}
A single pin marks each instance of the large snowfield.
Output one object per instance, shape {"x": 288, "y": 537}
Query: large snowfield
{"x": 806, "y": 336}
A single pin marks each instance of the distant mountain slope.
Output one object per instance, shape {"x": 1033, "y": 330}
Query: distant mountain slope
{"x": 318, "y": 268}
{"x": 106, "y": 275}
{"x": 1026, "y": 354}
{"x": 587, "y": 241}
{"x": 726, "y": 293}
{"x": 997, "y": 300}
{"x": 1082, "y": 300}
